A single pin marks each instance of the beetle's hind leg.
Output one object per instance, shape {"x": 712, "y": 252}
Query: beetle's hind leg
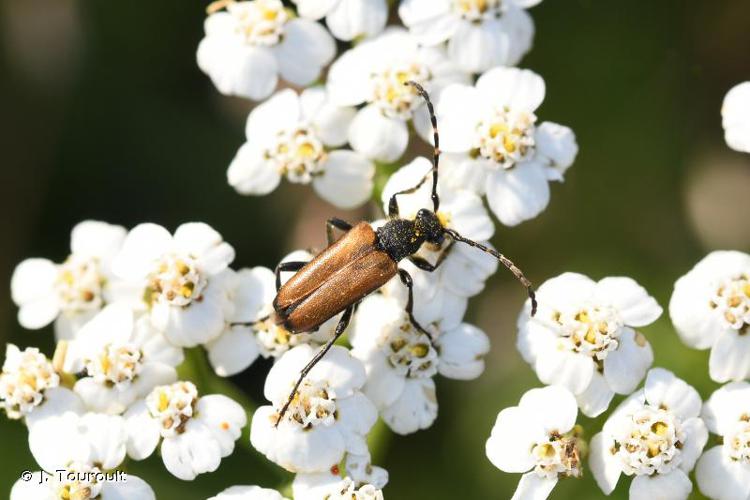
{"x": 409, "y": 283}
{"x": 335, "y": 223}
{"x": 340, "y": 327}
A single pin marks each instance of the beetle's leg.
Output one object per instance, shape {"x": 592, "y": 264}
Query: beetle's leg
{"x": 287, "y": 266}
{"x": 340, "y": 327}
{"x": 335, "y": 223}
{"x": 406, "y": 280}
{"x": 393, "y": 203}
{"x": 504, "y": 261}
{"x": 424, "y": 265}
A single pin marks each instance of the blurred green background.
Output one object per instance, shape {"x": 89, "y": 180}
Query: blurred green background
{"x": 104, "y": 114}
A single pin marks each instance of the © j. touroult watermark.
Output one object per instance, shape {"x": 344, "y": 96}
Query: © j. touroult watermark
{"x": 68, "y": 476}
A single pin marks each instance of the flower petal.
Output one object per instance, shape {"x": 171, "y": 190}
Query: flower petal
{"x": 350, "y": 19}
{"x": 347, "y": 179}
{"x": 730, "y": 357}
{"x": 306, "y": 48}
{"x": 430, "y": 21}
{"x": 459, "y": 111}
{"x": 250, "y": 174}
{"x": 566, "y": 368}
{"x": 462, "y": 352}
{"x": 554, "y": 407}
{"x": 143, "y": 431}
{"x": 696, "y": 437}
{"x": 722, "y": 478}
{"x": 377, "y": 136}
{"x": 664, "y": 389}
{"x": 519, "y": 89}
{"x": 672, "y": 486}
{"x": 415, "y": 409}
{"x": 555, "y": 145}
{"x": 331, "y": 121}
{"x": 233, "y": 351}
{"x": 143, "y": 245}
{"x": 596, "y": 398}
{"x": 518, "y": 194}
{"x": 513, "y": 436}
{"x": 477, "y": 47}
{"x": 635, "y": 305}
{"x": 625, "y": 367}
{"x": 534, "y": 487}
{"x": 605, "y": 467}
{"x": 191, "y": 453}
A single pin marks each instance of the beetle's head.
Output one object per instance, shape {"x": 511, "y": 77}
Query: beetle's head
{"x": 428, "y": 224}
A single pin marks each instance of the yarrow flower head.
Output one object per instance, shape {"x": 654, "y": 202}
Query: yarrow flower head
{"x": 196, "y": 432}
{"x": 401, "y": 361}
{"x": 328, "y": 416}
{"x": 297, "y": 136}
{"x": 656, "y": 435}
{"x": 347, "y": 19}
{"x": 248, "y": 45}
{"x": 495, "y": 146}
{"x": 30, "y": 387}
{"x": 72, "y": 292}
{"x": 77, "y": 451}
{"x": 538, "y": 438}
{"x": 182, "y": 280}
{"x": 330, "y": 485}
{"x": 583, "y": 337}
{"x": 723, "y": 472}
{"x": 374, "y": 73}
{"x": 481, "y": 34}
{"x": 735, "y": 114}
{"x": 123, "y": 359}
{"x": 710, "y": 308}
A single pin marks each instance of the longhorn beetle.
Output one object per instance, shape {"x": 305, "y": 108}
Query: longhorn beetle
{"x": 363, "y": 260}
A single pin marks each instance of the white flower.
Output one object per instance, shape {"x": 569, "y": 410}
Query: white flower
{"x": 250, "y": 44}
{"x": 723, "y": 472}
{"x": 538, "y": 438}
{"x": 122, "y": 357}
{"x": 481, "y": 34}
{"x": 197, "y": 431}
{"x": 583, "y": 337}
{"x": 71, "y": 292}
{"x": 328, "y": 417}
{"x": 463, "y": 272}
{"x": 183, "y": 279}
{"x": 374, "y": 73}
{"x": 494, "y": 145}
{"x": 296, "y": 136}
{"x": 735, "y": 114}
{"x": 248, "y": 493}
{"x": 401, "y": 361}
{"x": 347, "y": 19}
{"x": 710, "y": 308}
{"x": 30, "y": 387}
{"x": 656, "y": 435}
{"x": 75, "y": 450}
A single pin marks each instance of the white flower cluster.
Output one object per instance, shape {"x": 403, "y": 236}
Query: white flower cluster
{"x": 335, "y": 135}
{"x": 584, "y": 344}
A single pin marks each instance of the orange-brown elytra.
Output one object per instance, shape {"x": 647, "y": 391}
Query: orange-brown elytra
{"x": 363, "y": 260}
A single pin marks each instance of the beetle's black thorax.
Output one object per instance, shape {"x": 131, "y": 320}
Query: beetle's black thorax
{"x": 399, "y": 238}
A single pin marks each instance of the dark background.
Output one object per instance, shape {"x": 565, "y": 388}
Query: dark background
{"x": 104, "y": 114}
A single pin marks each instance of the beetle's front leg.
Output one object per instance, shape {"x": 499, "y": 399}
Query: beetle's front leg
{"x": 393, "y": 202}
{"x": 424, "y": 265}
{"x": 340, "y": 327}
{"x": 406, "y": 280}
{"x": 287, "y": 267}
{"x": 335, "y": 223}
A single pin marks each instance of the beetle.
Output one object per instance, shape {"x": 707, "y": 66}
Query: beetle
{"x": 363, "y": 260}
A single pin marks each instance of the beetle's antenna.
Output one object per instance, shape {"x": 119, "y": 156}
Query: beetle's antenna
{"x": 436, "y": 139}
{"x": 504, "y": 260}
